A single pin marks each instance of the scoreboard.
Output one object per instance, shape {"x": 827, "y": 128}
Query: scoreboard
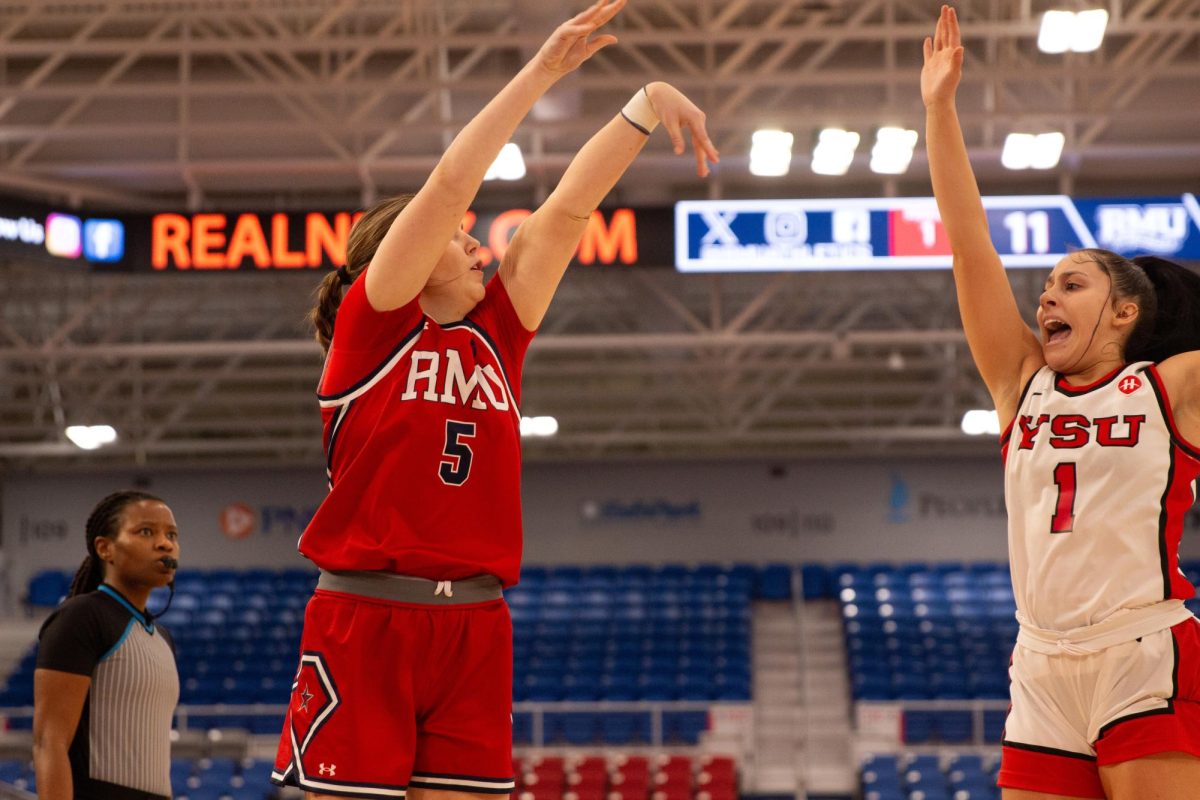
{"x": 907, "y": 233}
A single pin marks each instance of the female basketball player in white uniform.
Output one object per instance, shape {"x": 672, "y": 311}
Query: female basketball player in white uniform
{"x": 1101, "y": 456}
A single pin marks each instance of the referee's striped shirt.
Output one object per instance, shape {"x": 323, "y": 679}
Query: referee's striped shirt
{"x": 122, "y": 747}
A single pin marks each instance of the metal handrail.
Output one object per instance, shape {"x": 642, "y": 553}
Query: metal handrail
{"x": 975, "y": 706}
{"x": 656, "y": 709}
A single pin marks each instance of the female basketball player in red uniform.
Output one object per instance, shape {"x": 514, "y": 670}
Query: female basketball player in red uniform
{"x": 405, "y": 674}
{"x": 1101, "y": 455}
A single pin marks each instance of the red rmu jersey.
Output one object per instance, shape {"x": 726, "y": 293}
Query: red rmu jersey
{"x": 422, "y": 442}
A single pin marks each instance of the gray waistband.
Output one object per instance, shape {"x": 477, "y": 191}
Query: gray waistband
{"x": 407, "y": 589}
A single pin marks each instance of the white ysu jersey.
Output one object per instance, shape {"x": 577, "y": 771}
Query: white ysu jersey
{"x": 1097, "y": 481}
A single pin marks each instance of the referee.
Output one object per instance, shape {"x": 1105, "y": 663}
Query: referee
{"x": 106, "y": 685}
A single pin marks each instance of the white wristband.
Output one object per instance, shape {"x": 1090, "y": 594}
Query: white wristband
{"x": 639, "y": 113}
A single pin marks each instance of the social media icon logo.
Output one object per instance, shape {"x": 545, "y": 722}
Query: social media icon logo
{"x": 64, "y": 236}
{"x": 103, "y": 240}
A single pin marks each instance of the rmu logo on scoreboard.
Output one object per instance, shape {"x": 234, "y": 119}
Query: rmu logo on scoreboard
{"x": 876, "y": 233}
{"x": 1163, "y": 228}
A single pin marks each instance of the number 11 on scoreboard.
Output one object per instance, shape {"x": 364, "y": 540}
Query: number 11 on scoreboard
{"x": 1026, "y": 229}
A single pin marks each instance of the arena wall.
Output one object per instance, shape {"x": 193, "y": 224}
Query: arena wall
{"x": 840, "y": 510}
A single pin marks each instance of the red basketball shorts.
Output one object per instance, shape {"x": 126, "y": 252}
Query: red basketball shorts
{"x": 1072, "y": 715}
{"x": 391, "y": 695}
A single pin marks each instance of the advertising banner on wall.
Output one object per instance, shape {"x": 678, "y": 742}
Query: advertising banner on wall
{"x": 292, "y": 241}
{"x": 317, "y": 240}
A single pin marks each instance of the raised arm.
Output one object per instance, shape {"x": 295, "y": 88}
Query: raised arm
{"x": 543, "y": 246}
{"x": 410, "y": 250}
{"x": 1006, "y": 351}
{"x": 57, "y": 705}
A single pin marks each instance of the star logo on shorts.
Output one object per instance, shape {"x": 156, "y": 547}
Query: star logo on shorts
{"x": 313, "y": 699}
{"x": 305, "y": 696}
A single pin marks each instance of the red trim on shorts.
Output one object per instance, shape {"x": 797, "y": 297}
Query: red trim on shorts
{"x": 1173, "y": 729}
{"x": 1044, "y": 769}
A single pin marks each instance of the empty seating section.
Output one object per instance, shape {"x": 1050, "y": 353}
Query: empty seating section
{"x": 629, "y": 634}
{"x": 929, "y": 777}
{"x": 626, "y": 777}
{"x": 191, "y": 779}
{"x": 917, "y": 632}
{"x": 237, "y": 635}
{"x": 920, "y": 631}
{"x": 609, "y": 727}
{"x": 633, "y": 633}
{"x": 931, "y": 632}
{"x": 583, "y": 777}
{"x": 636, "y": 634}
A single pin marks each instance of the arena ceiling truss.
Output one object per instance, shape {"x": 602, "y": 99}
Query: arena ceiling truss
{"x": 229, "y": 105}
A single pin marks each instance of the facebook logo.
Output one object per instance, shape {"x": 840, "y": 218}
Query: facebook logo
{"x": 103, "y": 240}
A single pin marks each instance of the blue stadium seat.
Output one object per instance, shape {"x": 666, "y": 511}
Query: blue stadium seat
{"x": 774, "y": 582}
{"x": 12, "y": 771}
{"x": 965, "y": 777}
{"x": 522, "y": 728}
{"x": 47, "y": 588}
{"x": 919, "y": 726}
{"x": 619, "y": 728}
{"x": 684, "y": 727}
{"x": 993, "y": 725}
{"x": 202, "y": 792}
{"x": 954, "y": 727}
{"x": 817, "y": 583}
{"x": 216, "y": 771}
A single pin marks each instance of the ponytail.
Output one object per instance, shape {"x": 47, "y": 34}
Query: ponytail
{"x": 365, "y": 237}
{"x": 1175, "y": 327}
{"x": 329, "y": 299}
{"x": 103, "y": 521}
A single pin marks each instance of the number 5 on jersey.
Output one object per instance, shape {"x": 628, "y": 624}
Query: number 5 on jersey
{"x": 455, "y": 466}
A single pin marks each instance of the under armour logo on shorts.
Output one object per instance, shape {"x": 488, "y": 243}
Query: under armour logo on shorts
{"x": 330, "y": 770}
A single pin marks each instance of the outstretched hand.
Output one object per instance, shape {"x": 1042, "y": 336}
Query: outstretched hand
{"x": 943, "y": 60}
{"x": 676, "y": 112}
{"x": 569, "y": 46}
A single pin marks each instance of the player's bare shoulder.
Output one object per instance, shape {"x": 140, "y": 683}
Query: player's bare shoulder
{"x": 1181, "y": 379}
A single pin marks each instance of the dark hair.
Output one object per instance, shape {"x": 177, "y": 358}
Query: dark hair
{"x": 1168, "y": 299}
{"x": 1177, "y": 325}
{"x": 103, "y": 521}
{"x": 365, "y": 237}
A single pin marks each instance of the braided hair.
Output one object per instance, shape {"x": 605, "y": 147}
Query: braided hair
{"x": 365, "y": 237}
{"x": 103, "y": 521}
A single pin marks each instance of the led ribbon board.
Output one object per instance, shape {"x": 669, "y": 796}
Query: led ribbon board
{"x": 35, "y": 232}
{"x": 907, "y": 233}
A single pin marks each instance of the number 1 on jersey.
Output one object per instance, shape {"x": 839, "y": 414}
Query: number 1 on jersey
{"x": 455, "y": 467}
{"x": 1064, "y": 510}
